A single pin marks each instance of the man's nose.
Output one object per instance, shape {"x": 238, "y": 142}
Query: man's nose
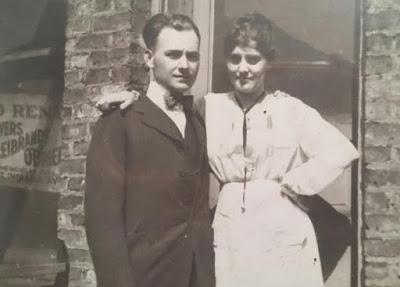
{"x": 183, "y": 62}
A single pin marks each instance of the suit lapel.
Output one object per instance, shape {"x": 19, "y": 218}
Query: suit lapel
{"x": 200, "y": 132}
{"x": 154, "y": 117}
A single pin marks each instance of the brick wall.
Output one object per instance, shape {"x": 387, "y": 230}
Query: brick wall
{"x": 381, "y": 124}
{"x": 102, "y": 53}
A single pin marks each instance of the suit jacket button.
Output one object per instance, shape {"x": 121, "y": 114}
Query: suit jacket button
{"x": 182, "y": 174}
{"x": 185, "y": 236}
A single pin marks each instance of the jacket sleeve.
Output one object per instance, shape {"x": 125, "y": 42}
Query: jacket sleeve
{"x": 327, "y": 150}
{"x": 104, "y": 203}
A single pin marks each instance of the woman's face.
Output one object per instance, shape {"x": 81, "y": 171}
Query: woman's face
{"x": 246, "y": 69}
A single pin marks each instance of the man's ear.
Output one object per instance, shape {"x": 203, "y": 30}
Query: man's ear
{"x": 148, "y": 58}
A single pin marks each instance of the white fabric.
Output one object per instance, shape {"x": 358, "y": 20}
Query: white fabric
{"x": 273, "y": 242}
{"x": 157, "y": 93}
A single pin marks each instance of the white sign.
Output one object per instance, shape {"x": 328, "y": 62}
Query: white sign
{"x": 29, "y": 141}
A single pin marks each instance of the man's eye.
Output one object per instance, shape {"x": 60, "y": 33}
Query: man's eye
{"x": 193, "y": 56}
{"x": 252, "y": 59}
{"x": 235, "y": 58}
{"x": 175, "y": 55}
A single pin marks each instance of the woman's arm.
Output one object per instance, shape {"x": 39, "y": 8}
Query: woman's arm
{"x": 328, "y": 151}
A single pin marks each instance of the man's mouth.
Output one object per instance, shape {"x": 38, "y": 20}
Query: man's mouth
{"x": 181, "y": 76}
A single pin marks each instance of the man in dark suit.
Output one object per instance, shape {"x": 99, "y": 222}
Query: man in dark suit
{"x": 146, "y": 203}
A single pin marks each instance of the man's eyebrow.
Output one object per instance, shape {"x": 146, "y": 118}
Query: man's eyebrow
{"x": 174, "y": 51}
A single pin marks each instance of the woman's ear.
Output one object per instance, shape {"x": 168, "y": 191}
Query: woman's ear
{"x": 148, "y": 58}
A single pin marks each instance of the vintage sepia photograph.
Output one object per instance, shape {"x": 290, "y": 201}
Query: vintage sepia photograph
{"x": 199, "y": 143}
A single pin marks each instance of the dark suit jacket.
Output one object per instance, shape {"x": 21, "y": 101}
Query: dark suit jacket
{"x": 141, "y": 232}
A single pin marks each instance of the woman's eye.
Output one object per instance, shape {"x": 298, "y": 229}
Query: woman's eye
{"x": 235, "y": 59}
{"x": 252, "y": 59}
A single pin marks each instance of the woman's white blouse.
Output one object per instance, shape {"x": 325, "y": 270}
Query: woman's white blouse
{"x": 287, "y": 141}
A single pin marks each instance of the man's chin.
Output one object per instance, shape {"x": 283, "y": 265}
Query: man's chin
{"x": 181, "y": 88}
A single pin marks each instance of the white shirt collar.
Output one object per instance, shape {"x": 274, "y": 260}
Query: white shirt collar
{"x": 157, "y": 93}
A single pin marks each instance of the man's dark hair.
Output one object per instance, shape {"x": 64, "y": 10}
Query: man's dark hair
{"x": 248, "y": 29}
{"x": 160, "y": 21}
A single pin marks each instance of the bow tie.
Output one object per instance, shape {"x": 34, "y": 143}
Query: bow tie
{"x": 174, "y": 101}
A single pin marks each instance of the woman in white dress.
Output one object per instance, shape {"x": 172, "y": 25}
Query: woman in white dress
{"x": 265, "y": 148}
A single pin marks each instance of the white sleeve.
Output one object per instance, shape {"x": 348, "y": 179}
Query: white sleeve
{"x": 328, "y": 151}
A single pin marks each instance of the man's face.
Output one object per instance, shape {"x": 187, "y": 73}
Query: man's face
{"x": 175, "y": 59}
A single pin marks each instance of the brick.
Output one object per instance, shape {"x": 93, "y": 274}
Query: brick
{"x": 122, "y": 39}
{"x": 72, "y": 238}
{"x": 382, "y": 133}
{"x": 382, "y": 177}
{"x": 382, "y": 20}
{"x": 81, "y": 276}
{"x": 73, "y": 95}
{"x": 85, "y": 112}
{"x": 70, "y": 202}
{"x": 80, "y": 148}
{"x": 79, "y": 255}
{"x": 121, "y": 74}
{"x": 379, "y": 42}
{"x": 77, "y": 26}
{"x": 141, "y": 12}
{"x": 90, "y": 276}
{"x": 379, "y": 5}
{"x": 118, "y": 56}
{"x": 112, "y": 22}
{"x": 376, "y": 203}
{"x": 75, "y": 274}
{"x": 72, "y": 77}
{"x": 396, "y": 40}
{"x": 76, "y": 131}
{"x": 94, "y": 42}
{"x": 382, "y": 223}
{"x": 82, "y": 8}
{"x": 380, "y": 248}
{"x": 78, "y": 219}
{"x": 76, "y": 183}
{"x": 377, "y": 154}
{"x": 99, "y": 58}
{"x": 66, "y": 112}
{"x": 377, "y": 86}
{"x": 70, "y": 46}
{"x": 137, "y": 54}
{"x": 373, "y": 270}
{"x": 382, "y": 109}
{"x": 79, "y": 61}
{"x": 122, "y": 4}
{"x": 103, "y": 5}
{"x": 378, "y": 65}
{"x": 73, "y": 166}
{"x": 65, "y": 151}
{"x": 97, "y": 76}
{"x": 140, "y": 75}
{"x": 62, "y": 184}
{"x": 62, "y": 219}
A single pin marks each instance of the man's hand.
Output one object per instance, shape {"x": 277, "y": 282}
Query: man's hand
{"x": 120, "y": 100}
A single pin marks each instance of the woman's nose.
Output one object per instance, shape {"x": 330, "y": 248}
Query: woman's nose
{"x": 243, "y": 66}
